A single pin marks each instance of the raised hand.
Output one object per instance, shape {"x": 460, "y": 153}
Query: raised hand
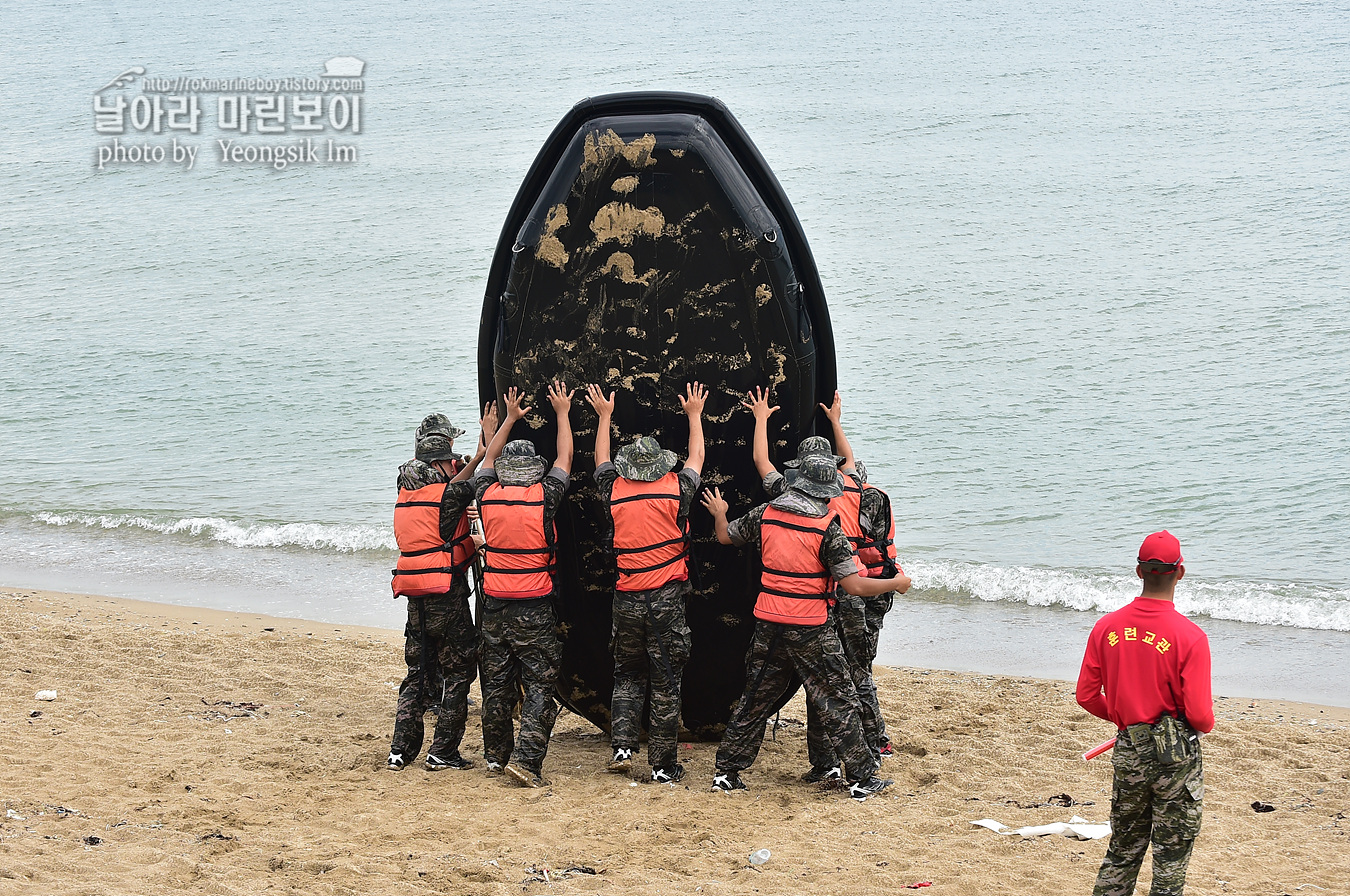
{"x": 560, "y": 397}
{"x": 713, "y": 500}
{"x": 758, "y": 403}
{"x": 513, "y": 398}
{"x": 835, "y": 410}
{"x": 694, "y": 397}
{"x": 604, "y": 407}
{"x": 488, "y": 422}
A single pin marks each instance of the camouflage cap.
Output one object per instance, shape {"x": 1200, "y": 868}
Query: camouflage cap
{"x": 435, "y": 439}
{"x": 519, "y": 464}
{"x": 817, "y": 476}
{"x": 813, "y": 445}
{"x": 644, "y": 460}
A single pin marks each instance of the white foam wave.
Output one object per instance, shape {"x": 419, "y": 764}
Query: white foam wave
{"x": 1296, "y": 605}
{"x": 314, "y": 536}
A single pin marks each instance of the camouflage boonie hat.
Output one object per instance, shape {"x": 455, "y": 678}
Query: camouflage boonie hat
{"x": 813, "y": 445}
{"x": 435, "y": 438}
{"x": 644, "y": 460}
{"x": 801, "y": 503}
{"x": 817, "y": 476}
{"x": 519, "y": 464}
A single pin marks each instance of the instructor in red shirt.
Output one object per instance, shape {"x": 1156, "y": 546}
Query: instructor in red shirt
{"x": 1147, "y": 671}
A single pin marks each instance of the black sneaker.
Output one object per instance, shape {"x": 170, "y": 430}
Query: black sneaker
{"x": 861, "y": 790}
{"x": 494, "y": 769}
{"x": 822, "y": 773}
{"x": 453, "y": 760}
{"x": 885, "y": 750}
{"x": 395, "y": 762}
{"x": 728, "y": 781}
{"x": 670, "y": 774}
{"x": 622, "y": 761}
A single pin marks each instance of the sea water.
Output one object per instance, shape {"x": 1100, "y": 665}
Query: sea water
{"x": 1086, "y": 269}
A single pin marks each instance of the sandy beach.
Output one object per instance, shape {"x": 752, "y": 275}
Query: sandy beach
{"x": 207, "y": 752}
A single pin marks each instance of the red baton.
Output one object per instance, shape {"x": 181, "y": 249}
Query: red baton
{"x": 1099, "y": 749}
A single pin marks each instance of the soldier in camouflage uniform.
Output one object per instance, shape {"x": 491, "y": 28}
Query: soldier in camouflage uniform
{"x": 793, "y": 631}
{"x": 1147, "y": 670}
{"x": 440, "y": 642}
{"x": 857, "y": 619}
{"x": 521, "y": 648}
{"x": 878, "y": 524}
{"x": 651, "y": 639}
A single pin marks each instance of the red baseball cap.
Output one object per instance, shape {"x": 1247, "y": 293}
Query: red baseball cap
{"x": 1161, "y": 547}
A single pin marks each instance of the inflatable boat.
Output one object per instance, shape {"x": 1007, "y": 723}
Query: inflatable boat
{"x": 651, "y": 246}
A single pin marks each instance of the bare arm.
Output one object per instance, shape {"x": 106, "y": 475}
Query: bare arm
{"x": 467, "y": 471}
{"x": 561, "y": 398}
{"x": 696, "y": 395}
{"x": 835, "y": 412}
{"x": 758, "y": 404}
{"x": 604, "y": 408}
{"x": 489, "y": 429}
{"x": 717, "y": 506}
{"x": 514, "y": 412}
{"x": 859, "y": 586}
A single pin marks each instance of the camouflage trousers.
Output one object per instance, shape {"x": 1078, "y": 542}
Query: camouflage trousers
{"x": 814, "y": 654}
{"x": 520, "y": 650}
{"x": 651, "y": 644}
{"x": 1153, "y": 803}
{"x": 438, "y": 683}
{"x": 857, "y": 621}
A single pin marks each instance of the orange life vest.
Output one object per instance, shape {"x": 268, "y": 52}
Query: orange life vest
{"x": 875, "y": 554}
{"x": 427, "y": 563}
{"x": 794, "y": 587}
{"x": 849, "y": 507}
{"x": 519, "y": 559}
{"x": 649, "y": 543}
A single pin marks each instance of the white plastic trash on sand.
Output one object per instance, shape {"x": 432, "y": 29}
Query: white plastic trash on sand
{"x": 1078, "y": 828}
{"x": 45, "y": 695}
{"x": 759, "y": 856}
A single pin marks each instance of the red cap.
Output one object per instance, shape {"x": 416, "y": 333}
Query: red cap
{"x": 1161, "y": 547}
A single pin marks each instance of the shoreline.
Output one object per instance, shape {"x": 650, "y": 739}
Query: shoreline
{"x": 910, "y": 641}
{"x": 207, "y": 751}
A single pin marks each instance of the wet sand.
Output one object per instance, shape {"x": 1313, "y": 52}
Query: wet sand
{"x": 209, "y": 752}
{"x": 1270, "y": 661}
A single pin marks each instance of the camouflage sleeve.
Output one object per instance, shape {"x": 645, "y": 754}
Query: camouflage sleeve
{"x": 605, "y": 476}
{"x": 456, "y": 498}
{"x": 746, "y": 529}
{"x": 775, "y": 484}
{"x": 836, "y": 554}
{"x": 480, "y": 482}
{"x": 872, "y": 514}
{"x": 690, "y": 483}
{"x": 555, "y": 486}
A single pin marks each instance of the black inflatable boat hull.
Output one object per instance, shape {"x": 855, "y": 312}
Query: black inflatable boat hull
{"x": 649, "y": 246}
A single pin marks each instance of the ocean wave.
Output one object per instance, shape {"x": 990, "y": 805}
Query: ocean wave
{"x": 1295, "y": 605}
{"x": 313, "y": 536}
